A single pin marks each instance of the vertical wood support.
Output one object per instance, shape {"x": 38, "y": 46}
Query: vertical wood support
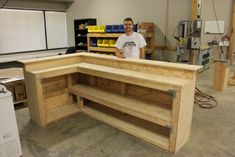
{"x": 175, "y": 117}
{"x": 40, "y": 97}
{"x": 88, "y": 42}
{"x": 69, "y": 84}
{"x": 123, "y": 88}
{"x": 80, "y": 103}
{"x": 192, "y": 55}
{"x": 221, "y": 75}
{"x": 231, "y": 42}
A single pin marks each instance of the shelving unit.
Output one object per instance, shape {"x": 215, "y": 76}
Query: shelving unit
{"x": 150, "y": 39}
{"x": 107, "y": 50}
{"x": 110, "y": 50}
{"x": 80, "y": 32}
{"x": 150, "y": 48}
{"x": 150, "y": 100}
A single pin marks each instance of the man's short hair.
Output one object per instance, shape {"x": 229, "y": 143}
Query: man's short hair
{"x": 129, "y": 19}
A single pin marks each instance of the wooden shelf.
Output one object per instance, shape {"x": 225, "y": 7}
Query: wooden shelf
{"x": 104, "y": 35}
{"x": 149, "y": 35}
{"x": 160, "y": 82}
{"x": 21, "y": 101}
{"x": 61, "y": 112}
{"x": 129, "y": 125}
{"x": 102, "y": 49}
{"x": 134, "y": 107}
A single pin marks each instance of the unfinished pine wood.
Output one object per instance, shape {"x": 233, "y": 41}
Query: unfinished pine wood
{"x": 53, "y": 84}
{"x": 150, "y": 100}
{"x": 35, "y": 99}
{"x": 103, "y": 49}
{"x": 61, "y": 112}
{"x": 192, "y": 54}
{"x": 134, "y": 77}
{"x": 150, "y": 95}
{"x": 55, "y": 93}
{"x": 104, "y": 35}
{"x": 185, "y": 114}
{"x": 221, "y": 75}
{"x": 231, "y": 82}
{"x": 110, "y": 85}
{"x": 49, "y": 62}
{"x": 231, "y": 41}
{"x": 129, "y": 125}
{"x": 56, "y": 101}
{"x": 80, "y": 102}
{"x": 56, "y": 71}
{"x": 150, "y": 112}
{"x": 146, "y": 66}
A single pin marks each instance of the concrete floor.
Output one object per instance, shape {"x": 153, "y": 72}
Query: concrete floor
{"x": 212, "y": 133}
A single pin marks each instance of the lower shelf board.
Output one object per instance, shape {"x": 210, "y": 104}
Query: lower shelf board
{"x": 149, "y": 132}
{"x": 61, "y": 112}
{"x": 231, "y": 82}
{"x": 134, "y": 107}
{"x": 103, "y": 49}
{"x": 21, "y": 101}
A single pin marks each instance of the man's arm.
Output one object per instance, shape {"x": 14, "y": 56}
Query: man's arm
{"x": 119, "y": 53}
{"x": 142, "y": 53}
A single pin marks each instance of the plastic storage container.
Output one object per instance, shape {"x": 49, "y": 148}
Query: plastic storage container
{"x": 91, "y": 29}
{"x": 108, "y": 28}
{"x": 96, "y": 29}
{"x": 102, "y": 29}
{"x": 115, "y": 28}
{"x": 121, "y": 29}
{"x": 105, "y": 43}
{"x": 94, "y": 42}
{"x": 99, "y": 42}
{"x": 99, "y": 29}
{"x": 112, "y": 43}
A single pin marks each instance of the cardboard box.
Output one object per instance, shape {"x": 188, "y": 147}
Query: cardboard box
{"x": 148, "y": 26}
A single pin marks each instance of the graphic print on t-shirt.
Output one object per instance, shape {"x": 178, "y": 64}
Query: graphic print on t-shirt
{"x": 129, "y": 45}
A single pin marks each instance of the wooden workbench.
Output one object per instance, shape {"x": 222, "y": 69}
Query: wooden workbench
{"x": 151, "y": 100}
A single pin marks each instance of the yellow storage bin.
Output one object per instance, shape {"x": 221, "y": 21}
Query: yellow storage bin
{"x": 91, "y": 29}
{"x": 99, "y": 42}
{"x": 96, "y": 29}
{"x": 99, "y": 29}
{"x": 112, "y": 43}
{"x": 105, "y": 43}
{"x": 102, "y": 29}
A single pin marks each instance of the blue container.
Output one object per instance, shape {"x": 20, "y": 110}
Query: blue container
{"x": 135, "y": 28}
{"x": 148, "y": 56}
{"x": 94, "y": 42}
{"x": 115, "y": 28}
{"x": 108, "y": 28}
{"x": 121, "y": 29}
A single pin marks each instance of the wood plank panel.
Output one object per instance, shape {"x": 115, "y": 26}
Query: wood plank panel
{"x": 54, "y": 83}
{"x": 56, "y": 101}
{"x": 147, "y": 111}
{"x": 62, "y": 112}
{"x": 134, "y": 126}
{"x": 150, "y": 95}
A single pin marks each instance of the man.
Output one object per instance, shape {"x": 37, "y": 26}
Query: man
{"x": 130, "y": 44}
